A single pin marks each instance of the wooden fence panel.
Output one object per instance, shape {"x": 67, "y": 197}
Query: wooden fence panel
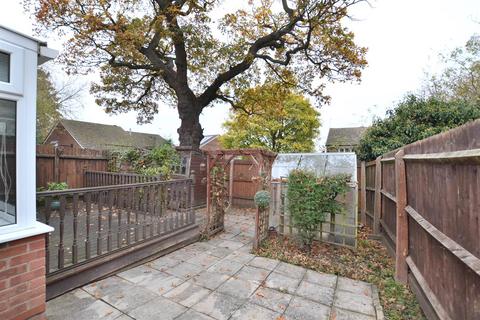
{"x": 66, "y": 164}
{"x": 433, "y": 218}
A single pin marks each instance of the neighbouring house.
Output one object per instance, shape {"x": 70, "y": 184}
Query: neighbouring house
{"x": 90, "y": 135}
{"x": 344, "y": 139}
{"x": 210, "y": 143}
{"x": 22, "y": 238}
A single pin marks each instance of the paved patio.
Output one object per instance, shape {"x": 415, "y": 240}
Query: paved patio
{"x": 219, "y": 279}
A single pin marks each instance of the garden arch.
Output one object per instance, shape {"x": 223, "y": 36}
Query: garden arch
{"x": 217, "y": 162}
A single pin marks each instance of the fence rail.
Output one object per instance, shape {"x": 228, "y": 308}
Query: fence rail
{"x": 93, "y": 222}
{"x": 425, "y": 204}
{"x": 103, "y": 178}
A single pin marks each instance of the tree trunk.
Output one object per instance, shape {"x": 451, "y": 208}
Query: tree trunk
{"x": 190, "y": 131}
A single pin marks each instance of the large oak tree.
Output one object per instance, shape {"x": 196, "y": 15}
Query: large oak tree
{"x": 189, "y": 54}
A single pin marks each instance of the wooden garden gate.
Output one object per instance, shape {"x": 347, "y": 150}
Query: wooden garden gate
{"x": 217, "y": 200}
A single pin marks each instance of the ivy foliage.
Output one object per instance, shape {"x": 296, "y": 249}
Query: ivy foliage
{"x": 310, "y": 198}
{"x": 160, "y": 160}
{"x": 414, "y": 118}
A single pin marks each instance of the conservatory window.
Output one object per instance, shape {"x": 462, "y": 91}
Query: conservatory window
{"x": 4, "y": 67}
{"x": 7, "y": 162}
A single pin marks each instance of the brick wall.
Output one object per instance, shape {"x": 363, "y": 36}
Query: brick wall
{"x": 22, "y": 279}
{"x": 62, "y": 137}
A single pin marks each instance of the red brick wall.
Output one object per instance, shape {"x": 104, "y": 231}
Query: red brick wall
{"x": 62, "y": 136}
{"x": 22, "y": 279}
{"x": 212, "y": 145}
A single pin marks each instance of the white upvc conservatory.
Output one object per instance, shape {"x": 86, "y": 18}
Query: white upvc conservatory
{"x": 19, "y": 57}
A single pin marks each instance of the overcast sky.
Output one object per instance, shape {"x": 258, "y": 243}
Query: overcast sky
{"x": 404, "y": 38}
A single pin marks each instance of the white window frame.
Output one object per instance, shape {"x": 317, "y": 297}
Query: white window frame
{"x": 23, "y": 74}
{"x": 16, "y": 73}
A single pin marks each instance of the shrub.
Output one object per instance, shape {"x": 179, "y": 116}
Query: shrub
{"x": 310, "y": 198}
{"x": 160, "y": 160}
{"x": 413, "y": 119}
{"x": 262, "y": 199}
{"x": 51, "y": 186}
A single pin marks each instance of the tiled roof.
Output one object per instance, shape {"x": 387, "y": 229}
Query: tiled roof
{"x": 103, "y": 136}
{"x": 345, "y": 136}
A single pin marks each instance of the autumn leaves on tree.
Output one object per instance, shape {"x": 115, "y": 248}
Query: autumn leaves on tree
{"x": 272, "y": 116}
{"x": 187, "y": 54}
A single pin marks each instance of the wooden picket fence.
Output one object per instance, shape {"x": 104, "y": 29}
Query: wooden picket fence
{"x": 424, "y": 201}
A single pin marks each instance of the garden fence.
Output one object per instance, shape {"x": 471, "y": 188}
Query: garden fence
{"x": 424, "y": 201}
{"x": 67, "y": 164}
{"x": 101, "y": 229}
{"x": 104, "y": 178}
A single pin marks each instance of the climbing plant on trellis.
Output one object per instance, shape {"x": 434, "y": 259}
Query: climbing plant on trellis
{"x": 217, "y": 190}
{"x": 219, "y": 199}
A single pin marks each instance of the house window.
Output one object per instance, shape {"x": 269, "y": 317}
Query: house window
{"x": 19, "y": 57}
{"x": 4, "y": 67}
{"x": 7, "y": 162}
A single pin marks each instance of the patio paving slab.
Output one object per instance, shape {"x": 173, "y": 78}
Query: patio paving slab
{"x": 215, "y": 280}
{"x": 239, "y": 288}
{"x": 354, "y": 302}
{"x": 265, "y": 263}
{"x": 163, "y": 263}
{"x": 193, "y": 315}
{"x": 240, "y": 257}
{"x": 80, "y": 305}
{"x": 251, "y": 311}
{"x": 230, "y": 244}
{"x": 219, "y": 306}
{"x": 204, "y": 260}
{"x": 158, "y": 308}
{"x": 290, "y": 270}
{"x": 124, "y": 317}
{"x": 316, "y": 293}
{"x": 162, "y": 283}
{"x": 226, "y": 267}
{"x": 340, "y": 314}
{"x": 271, "y": 299}
{"x": 220, "y": 252}
{"x": 185, "y": 270}
{"x": 187, "y": 294}
{"x": 252, "y": 273}
{"x": 322, "y": 279}
{"x": 210, "y": 280}
{"x": 282, "y": 283}
{"x": 304, "y": 309}
{"x": 139, "y": 274}
{"x": 355, "y": 286}
{"x": 120, "y": 293}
